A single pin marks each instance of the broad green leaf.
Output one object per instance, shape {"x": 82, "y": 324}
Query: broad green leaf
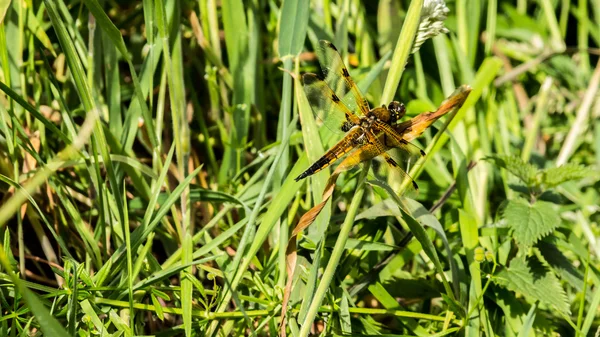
{"x": 562, "y": 266}
{"x": 241, "y": 53}
{"x": 535, "y": 282}
{"x": 555, "y": 176}
{"x": 113, "y": 33}
{"x": 515, "y": 165}
{"x": 531, "y": 222}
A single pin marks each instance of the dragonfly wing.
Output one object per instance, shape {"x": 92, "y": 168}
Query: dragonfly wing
{"x": 339, "y": 80}
{"x": 414, "y": 127}
{"x": 405, "y": 152}
{"x": 327, "y": 106}
{"x": 336, "y": 152}
{"x": 371, "y": 150}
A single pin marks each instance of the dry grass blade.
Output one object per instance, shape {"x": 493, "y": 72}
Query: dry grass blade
{"x": 291, "y": 254}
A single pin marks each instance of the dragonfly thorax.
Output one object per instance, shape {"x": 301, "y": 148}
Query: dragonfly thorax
{"x": 380, "y": 114}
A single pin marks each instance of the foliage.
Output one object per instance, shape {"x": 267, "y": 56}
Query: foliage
{"x": 531, "y": 222}
{"x": 539, "y": 180}
{"x": 537, "y": 283}
{"x": 148, "y": 151}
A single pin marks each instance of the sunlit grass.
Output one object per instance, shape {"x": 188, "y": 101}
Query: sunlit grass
{"x": 148, "y": 152}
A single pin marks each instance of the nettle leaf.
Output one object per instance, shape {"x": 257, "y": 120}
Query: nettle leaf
{"x": 531, "y": 222}
{"x": 555, "y": 176}
{"x": 526, "y": 172}
{"x": 535, "y": 282}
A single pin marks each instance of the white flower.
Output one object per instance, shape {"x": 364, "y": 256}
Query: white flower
{"x": 433, "y": 14}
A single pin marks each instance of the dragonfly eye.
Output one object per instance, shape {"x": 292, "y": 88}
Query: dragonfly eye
{"x": 397, "y": 111}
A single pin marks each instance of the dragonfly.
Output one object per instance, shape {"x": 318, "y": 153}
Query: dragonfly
{"x": 368, "y": 133}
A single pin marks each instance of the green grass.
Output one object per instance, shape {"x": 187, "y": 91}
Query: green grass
{"x": 148, "y": 152}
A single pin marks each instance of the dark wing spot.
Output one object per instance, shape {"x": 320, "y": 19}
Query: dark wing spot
{"x": 391, "y": 162}
{"x": 330, "y": 45}
{"x": 414, "y": 183}
{"x": 422, "y": 153}
{"x": 309, "y": 78}
{"x": 346, "y": 126}
{"x": 385, "y": 140}
{"x": 335, "y": 98}
{"x": 345, "y": 72}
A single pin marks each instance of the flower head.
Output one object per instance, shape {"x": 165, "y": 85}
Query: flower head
{"x": 433, "y": 14}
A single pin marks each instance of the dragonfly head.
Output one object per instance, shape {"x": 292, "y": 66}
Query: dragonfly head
{"x": 397, "y": 111}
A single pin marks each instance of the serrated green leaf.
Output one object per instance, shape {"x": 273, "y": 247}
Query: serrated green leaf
{"x": 526, "y": 172}
{"x": 535, "y": 282}
{"x": 531, "y": 222}
{"x": 555, "y": 176}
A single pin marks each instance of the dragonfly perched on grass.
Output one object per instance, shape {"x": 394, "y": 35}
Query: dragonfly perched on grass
{"x": 368, "y": 133}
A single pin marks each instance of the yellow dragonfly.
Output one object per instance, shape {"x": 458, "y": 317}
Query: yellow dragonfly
{"x": 369, "y": 133}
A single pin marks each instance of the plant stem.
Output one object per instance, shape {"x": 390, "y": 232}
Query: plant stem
{"x": 540, "y": 110}
{"x": 336, "y": 254}
{"x": 402, "y": 50}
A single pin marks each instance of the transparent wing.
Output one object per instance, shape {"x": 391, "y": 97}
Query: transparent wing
{"x": 405, "y": 153}
{"x": 338, "y": 79}
{"x": 327, "y": 106}
{"x": 371, "y": 150}
{"x": 402, "y": 150}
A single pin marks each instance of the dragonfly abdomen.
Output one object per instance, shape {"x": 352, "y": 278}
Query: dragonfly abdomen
{"x": 317, "y": 166}
{"x": 337, "y": 151}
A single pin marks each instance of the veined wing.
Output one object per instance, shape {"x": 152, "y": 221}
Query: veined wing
{"x": 327, "y": 106}
{"x": 371, "y": 150}
{"x": 339, "y": 80}
{"x": 334, "y": 153}
{"x": 402, "y": 150}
